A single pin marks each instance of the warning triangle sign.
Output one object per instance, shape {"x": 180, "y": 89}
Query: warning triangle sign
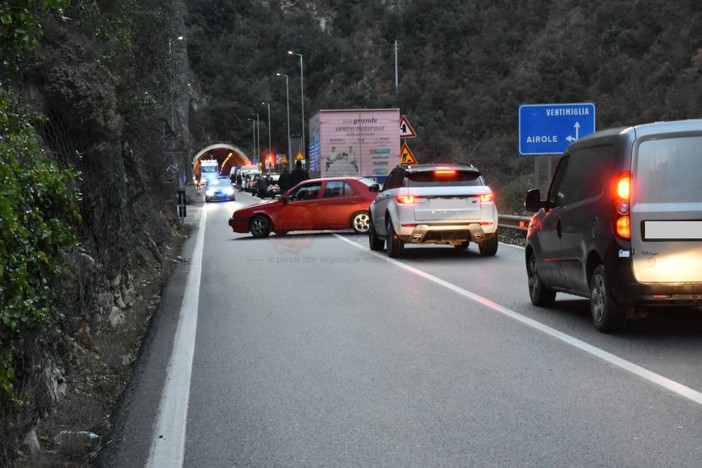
{"x": 406, "y": 156}
{"x": 406, "y": 130}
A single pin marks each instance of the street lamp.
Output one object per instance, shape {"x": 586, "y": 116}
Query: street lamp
{"x": 253, "y": 135}
{"x": 287, "y": 103}
{"x": 302, "y": 98}
{"x": 258, "y": 138}
{"x": 173, "y": 79}
{"x": 270, "y": 149}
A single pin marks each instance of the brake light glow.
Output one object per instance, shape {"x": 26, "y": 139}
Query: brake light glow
{"x": 623, "y": 187}
{"x": 486, "y": 197}
{"x": 406, "y": 199}
{"x": 621, "y": 207}
{"x": 445, "y": 172}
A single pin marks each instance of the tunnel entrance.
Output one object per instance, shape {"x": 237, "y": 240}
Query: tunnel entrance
{"x": 227, "y": 156}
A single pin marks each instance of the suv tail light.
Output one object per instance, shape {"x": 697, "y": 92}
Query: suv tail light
{"x": 487, "y": 197}
{"x": 406, "y": 199}
{"x": 621, "y": 208}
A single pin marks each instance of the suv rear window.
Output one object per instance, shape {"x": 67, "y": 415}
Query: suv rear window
{"x": 441, "y": 177}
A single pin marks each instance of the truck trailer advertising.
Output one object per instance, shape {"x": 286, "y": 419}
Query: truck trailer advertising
{"x": 354, "y": 142}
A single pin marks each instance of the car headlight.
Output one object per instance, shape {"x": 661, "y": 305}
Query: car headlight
{"x": 229, "y": 190}
{"x": 210, "y": 192}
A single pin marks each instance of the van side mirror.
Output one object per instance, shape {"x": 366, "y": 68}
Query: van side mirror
{"x": 532, "y": 201}
{"x": 374, "y": 188}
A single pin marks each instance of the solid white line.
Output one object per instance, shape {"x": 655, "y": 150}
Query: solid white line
{"x": 168, "y": 443}
{"x": 628, "y": 366}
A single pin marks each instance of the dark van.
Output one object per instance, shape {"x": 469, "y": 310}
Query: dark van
{"x": 622, "y": 222}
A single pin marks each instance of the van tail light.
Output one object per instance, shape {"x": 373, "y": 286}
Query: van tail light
{"x": 487, "y": 197}
{"x": 621, "y": 209}
{"x": 406, "y": 199}
{"x": 624, "y": 186}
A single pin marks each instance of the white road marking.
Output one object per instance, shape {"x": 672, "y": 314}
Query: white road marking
{"x": 628, "y": 366}
{"x": 168, "y": 444}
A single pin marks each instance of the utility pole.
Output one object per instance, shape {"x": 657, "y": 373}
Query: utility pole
{"x": 396, "y": 75}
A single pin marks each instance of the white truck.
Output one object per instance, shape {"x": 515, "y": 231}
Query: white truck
{"x": 354, "y": 142}
{"x": 209, "y": 170}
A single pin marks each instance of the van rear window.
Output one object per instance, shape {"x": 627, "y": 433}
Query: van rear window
{"x": 667, "y": 171}
{"x": 438, "y": 178}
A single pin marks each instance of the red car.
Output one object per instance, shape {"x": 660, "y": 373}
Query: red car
{"x": 333, "y": 203}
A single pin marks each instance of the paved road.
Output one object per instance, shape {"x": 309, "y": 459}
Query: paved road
{"x": 313, "y": 351}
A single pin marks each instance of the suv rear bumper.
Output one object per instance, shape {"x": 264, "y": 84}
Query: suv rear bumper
{"x": 444, "y": 234}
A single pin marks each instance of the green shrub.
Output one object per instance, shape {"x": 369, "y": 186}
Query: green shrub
{"x": 38, "y": 225}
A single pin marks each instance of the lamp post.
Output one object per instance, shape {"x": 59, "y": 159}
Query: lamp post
{"x": 173, "y": 79}
{"x": 287, "y": 104}
{"x": 253, "y": 135}
{"x": 181, "y": 175}
{"x": 258, "y": 138}
{"x": 269, "y": 129}
{"x": 302, "y": 99}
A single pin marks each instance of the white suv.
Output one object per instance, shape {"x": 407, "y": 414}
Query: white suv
{"x": 434, "y": 204}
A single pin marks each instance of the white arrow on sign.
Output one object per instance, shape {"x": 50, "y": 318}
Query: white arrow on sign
{"x": 577, "y": 133}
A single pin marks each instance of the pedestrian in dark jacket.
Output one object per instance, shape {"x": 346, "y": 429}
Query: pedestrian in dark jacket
{"x": 298, "y": 174}
{"x": 284, "y": 181}
{"x": 261, "y": 185}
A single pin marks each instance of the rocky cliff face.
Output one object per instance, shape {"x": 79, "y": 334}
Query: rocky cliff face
{"x": 106, "y": 82}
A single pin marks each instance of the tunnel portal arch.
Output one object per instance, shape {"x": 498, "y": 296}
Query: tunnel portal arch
{"x": 228, "y": 156}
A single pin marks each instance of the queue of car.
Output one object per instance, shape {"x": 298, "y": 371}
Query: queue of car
{"x": 621, "y": 223}
{"x": 422, "y": 204}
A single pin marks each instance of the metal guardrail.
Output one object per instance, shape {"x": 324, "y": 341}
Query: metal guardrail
{"x": 519, "y": 223}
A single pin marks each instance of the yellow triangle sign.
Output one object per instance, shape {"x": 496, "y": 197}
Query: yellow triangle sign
{"x": 406, "y": 156}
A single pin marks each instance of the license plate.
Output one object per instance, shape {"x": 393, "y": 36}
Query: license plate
{"x": 672, "y": 230}
{"x": 448, "y": 203}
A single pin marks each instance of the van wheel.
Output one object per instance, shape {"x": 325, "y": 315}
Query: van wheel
{"x": 539, "y": 294}
{"x": 374, "y": 242}
{"x": 260, "y": 226}
{"x": 607, "y": 315}
{"x": 394, "y": 245}
{"x": 489, "y": 247}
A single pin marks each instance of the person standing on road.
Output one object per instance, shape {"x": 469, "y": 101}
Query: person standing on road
{"x": 284, "y": 181}
{"x": 298, "y": 174}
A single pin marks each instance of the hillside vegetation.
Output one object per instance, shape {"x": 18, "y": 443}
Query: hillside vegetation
{"x": 464, "y": 67}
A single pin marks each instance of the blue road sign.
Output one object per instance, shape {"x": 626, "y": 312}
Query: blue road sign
{"x": 550, "y": 128}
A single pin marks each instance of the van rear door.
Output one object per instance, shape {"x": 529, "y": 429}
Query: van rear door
{"x": 666, "y": 209}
